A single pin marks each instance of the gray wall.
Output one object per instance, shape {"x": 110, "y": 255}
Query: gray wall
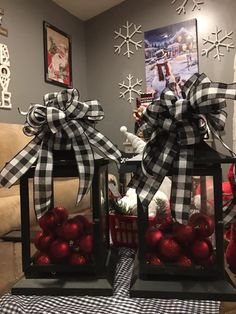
{"x": 24, "y": 21}
{"x": 106, "y": 69}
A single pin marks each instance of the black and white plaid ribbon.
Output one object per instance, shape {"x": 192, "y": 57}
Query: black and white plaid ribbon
{"x": 62, "y": 123}
{"x": 176, "y": 125}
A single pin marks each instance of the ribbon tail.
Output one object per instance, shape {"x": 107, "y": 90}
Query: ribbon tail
{"x": 85, "y": 164}
{"x": 100, "y": 141}
{"x": 43, "y": 178}
{"x": 20, "y": 164}
{"x": 182, "y": 184}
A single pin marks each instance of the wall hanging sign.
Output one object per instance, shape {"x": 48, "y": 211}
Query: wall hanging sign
{"x": 181, "y": 8}
{"x": 5, "y": 101}
{"x": 57, "y": 56}
{"x": 216, "y": 43}
{"x": 127, "y": 39}
{"x": 130, "y": 88}
{"x": 3, "y": 31}
{"x": 171, "y": 56}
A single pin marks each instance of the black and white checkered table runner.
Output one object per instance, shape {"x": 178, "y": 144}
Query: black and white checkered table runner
{"x": 119, "y": 303}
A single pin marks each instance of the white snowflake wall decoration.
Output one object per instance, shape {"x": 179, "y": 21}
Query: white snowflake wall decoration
{"x": 181, "y": 8}
{"x": 130, "y": 88}
{"x": 217, "y": 43}
{"x": 127, "y": 39}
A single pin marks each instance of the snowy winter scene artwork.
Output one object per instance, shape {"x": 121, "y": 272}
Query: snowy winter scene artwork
{"x": 171, "y": 56}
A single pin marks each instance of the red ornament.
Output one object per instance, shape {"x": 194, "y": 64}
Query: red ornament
{"x": 87, "y": 225}
{"x": 201, "y": 249}
{"x": 184, "y": 261}
{"x": 165, "y": 223}
{"x": 61, "y": 214}
{"x": 77, "y": 259}
{"x": 204, "y": 225}
{"x": 45, "y": 241}
{"x": 170, "y": 249}
{"x": 42, "y": 259}
{"x": 85, "y": 244}
{"x": 230, "y": 253}
{"x": 71, "y": 230}
{"x": 59, "y": 250}
{"x": 153, "y": 237}
{"x": 36, "y": 238}
{"x": 155, "y": 260}
{"x": 210, "y": 261}
{"x": 184, "y": 234}
{"x": 48, "y": 222}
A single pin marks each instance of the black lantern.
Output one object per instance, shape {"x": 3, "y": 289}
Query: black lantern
{"x": 186, "y": 261}
{"x": 71, "y": 268}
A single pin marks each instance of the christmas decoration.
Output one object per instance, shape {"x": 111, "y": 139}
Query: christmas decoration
{"x": 61, "y": 214}
{"x": 59, "y": 250}
{"x": 77, "y": 259}
{"x": 129, "y": 88}
{"x": 230, "y": 253}
{"x": 43, "y": 242}
{"x": 217, "y": 43}
{"x": 184, "y": 234}
{"x": 181, "y": 8}
{"x": 166, "y": 223}
{"x": 85, "y": 244}
{"x": 5, "y": 99}
{"x": 201, "y": 249}
{"x": 71, "y": 230}
{"x": 127, "y": 38}
{"x": 153, "y": 237}
{"x": 203, "y": 225}
{"x": 48, "y": 221}
{"x": 155, "y": 260}
{"x": 184, "y": 261}
{"x": 42, "y": 259}
{"x": 86, "y": 224}
{"x": 169, "y": 249}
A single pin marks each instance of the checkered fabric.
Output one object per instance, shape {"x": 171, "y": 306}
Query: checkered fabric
{"x": 62, "y": 123}
{"x": 119, "y": 303}
{"x": 176, "y": 125}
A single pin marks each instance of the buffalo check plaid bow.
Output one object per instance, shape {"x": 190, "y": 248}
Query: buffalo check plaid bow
{"x": 176, "y": 125}
{"x": 62, "y": 123}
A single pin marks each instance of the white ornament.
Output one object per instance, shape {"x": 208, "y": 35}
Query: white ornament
{"x": 130, "y": 88}
{"x": 181, "y": 8}
{"x": 127, "y": 39}
{"x": 216, "y": 43}
{"x": 5, "y": 101}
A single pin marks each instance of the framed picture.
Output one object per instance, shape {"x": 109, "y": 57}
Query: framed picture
{"x": 171, "y": 56}
{"x": 57, "y": 56}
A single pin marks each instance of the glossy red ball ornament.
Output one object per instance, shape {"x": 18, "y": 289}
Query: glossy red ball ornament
{"x": 61, "y": 213}
{"x": 85, "y": 244}
{"x": 153, "y": 236}
{"x": 201, "y": 249}
{"x": 208, "y": 262}
{"x": 87, "y": 225}
{"x": 59, "y": 250}
{"x": 184, "y": 234}
{"x": 77, "y": 259}
{"x": 42, "y": 259}
{"x": 71, "y": 230}
{"x": 203, "y": 224}
{"x": 165, "y": 223}
{"x": 48, "y": 222}
{"x": 169, "y": 249}
{"x": 45, "y": 241}
{"x": 36, "y": 238}
{"x": 184, "y": 261}
{"x": 155, "y": 260}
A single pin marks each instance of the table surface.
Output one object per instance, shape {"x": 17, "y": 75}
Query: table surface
{"x": 119, "y": 303}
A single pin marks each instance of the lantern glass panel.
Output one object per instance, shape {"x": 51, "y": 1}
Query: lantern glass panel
{"x": 192, "y": 248}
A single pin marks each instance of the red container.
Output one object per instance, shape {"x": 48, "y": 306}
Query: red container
{"x": 124, "y": 230}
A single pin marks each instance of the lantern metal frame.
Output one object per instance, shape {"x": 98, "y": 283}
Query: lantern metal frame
{"x": 94, "y": 278}
{"x": 169, "y": 282}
